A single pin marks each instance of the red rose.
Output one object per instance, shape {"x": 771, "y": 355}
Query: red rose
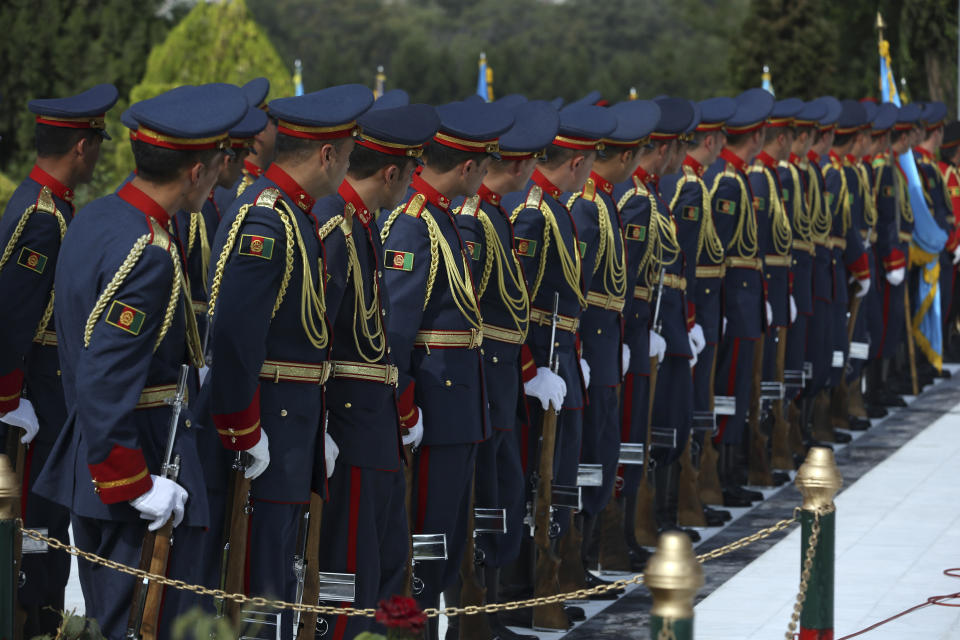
{"x": 401, "y": 613}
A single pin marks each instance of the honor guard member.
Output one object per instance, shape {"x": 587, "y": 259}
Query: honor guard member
{"x": 889, "y": 257}
{"x": 505, "y": 307}
{"x": 932, "y": 121}
{"x": 598, "y": 224}
{"x": 269, "y": 337}
{"x": 261, "y": 153}
{"x": 436, "y": 331}
{"x": 550, "y": 251}
{"x": 744, "y": 296}
{"x": 689, "y": 198}
{"x": 365, "y": 519}
{"x": 125, "y": 328}
{"x": 68, "y": 135}
{"x": 951, "y": 179}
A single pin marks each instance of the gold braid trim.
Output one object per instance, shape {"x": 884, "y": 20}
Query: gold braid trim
{"x": 800, "y": 218}
{"x": 198, "y": 229}
{"x": 388, "y": 223}
{"x": 363, "y": 314}
{"x": 179, "y": 287}
{"x": 111, "y": 289}
{"x": 535, "y": 201}
{"x": 745, "y": 236}
{"x": 843, "y": 203}
{"x": 313, "y": 306}
{"x": 329, "y": 226}
{"x": 820, "y": 220}
{"x": 245, "y": 181}
{"x": 868, "y": 194}
{"x": 518, "y": 307}
{"x": 708, "y": 241}
{"x": 906, "y": 209}
{"x": 643, "y": 268}
{"x": 461, "y": 288}
{"x": 492, "y": 254}
{"x": 434, "y": 244}
{"x": 780, "y": 232}
{"x": 602, "y": 221}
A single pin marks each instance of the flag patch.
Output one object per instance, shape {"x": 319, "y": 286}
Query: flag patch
{"x": 257, "y": 246}
{"x": 830, "y": 196}
{"x": 123, "y": 316}
{"x": 691, "y": 213}
{"x": 525, "y": 248}
{"x": 399, "y": 260}
{"x": 473, "y": 249}
{"x": 887, "y": 191}
{"x": 954, "y": 192}
{"x": 33, "y": 260}
{"x": 583, "y": 249}
{"x": 759, "y": 203}
{"x": 725, "y": 206}
{"x": 636, "y": 232}
{"x": 785, "y": 194}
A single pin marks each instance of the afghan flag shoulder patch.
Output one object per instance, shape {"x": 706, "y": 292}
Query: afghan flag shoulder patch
{"x": 32, "y": 260}
{"x": 691, "y": 213}
{"x": 887, "y": 191}
{"x": 726, "y": 206}
{"x": 473, "y": 249}
{"x": 123, "y": 316}
{"x": 636, "y": 232}
{"x": 785, "y": 194}
{"x": 759, "y": 203}
{"x": 399, "y": 260}
{"x": 583, "y": 248}
{"x": 525, "y": 248}
{"x": 954, "y": 192}
{"x": 256, "y": 246}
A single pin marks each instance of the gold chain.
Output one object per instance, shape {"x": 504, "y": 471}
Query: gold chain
{"x": 745, "y": 235}
{"x": 820, "y": 221}
{"x": 801, "y": 218}
{"x": 579, "y": 594}
{"x": 808, "y": 557}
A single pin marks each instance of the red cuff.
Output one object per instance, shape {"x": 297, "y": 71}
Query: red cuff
{"x": 860, "y": 269}
{"x": 10, "y": 387}
{"x": 528, "y": 368}
{"x": 122, "y": 476}
{"x": 895, "y": 260}
{"x": 691, "y": 315}
{"x": 409, "y": 414}
{"x": 241, "y": 430}
{"x": 577, "y": 346}
{"x": 790, "y": 280}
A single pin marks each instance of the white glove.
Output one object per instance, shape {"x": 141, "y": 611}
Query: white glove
{"x": 330, "y": 453}
{"x": 260, "y": 453}
{"x": 658, "y": 346}
{"x": 724, "y": 329}
{"x": 793, "y": 309}
{"x": 625, "y": 357}
{"x": 204, "y": 372}
{"x": 693, "y": 349}
{"x": 769, "y": 313}
{"x": 895, "y": 276}
{"x": 956, "y": 255}
{"x": 24, "y": 417}
{"x": 415, "y": 433}
{"x": 697, "y": 340}
{"x": 864, "y": 287}
{"x": 547, "y": 387}
{"x": 585, "y": 369}
{"x": 165, "y": 498}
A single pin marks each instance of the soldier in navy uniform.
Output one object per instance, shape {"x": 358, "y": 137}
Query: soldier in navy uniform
{"x": 436, "y": 331}
{"x": 505, "y": 306}
{"x": 551, "y": 252}
{"x": 743, "y": 291}
{"x": 689, "y": 195}
{"x": 125, "y": 327}
{"x": 69, "y": 132}
{"x": 261, "y": 153}
{"x": 365, "y": 521}
{"x": 269, "y": 338}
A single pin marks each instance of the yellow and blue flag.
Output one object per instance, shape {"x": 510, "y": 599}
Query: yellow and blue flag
{"x": 485, "y": 79}
{"x": 380, "y": 83}
{"x": 766, "y": 81}
{"x": 297, "y": 78}
{"x": 928, "y": 238}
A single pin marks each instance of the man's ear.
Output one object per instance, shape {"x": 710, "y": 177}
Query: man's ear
{"x": 195, "y": 171}
{"x": 326, "y": 154}
{"x": 391, "y": 174}
{"x": 468, "y": 167}
{"x": 576, "y": 162}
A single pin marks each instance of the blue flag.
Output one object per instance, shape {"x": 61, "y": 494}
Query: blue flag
{"x": 485, "y": 79}
{"x": 766, "y": 81}
{"x": 297, "y": 78}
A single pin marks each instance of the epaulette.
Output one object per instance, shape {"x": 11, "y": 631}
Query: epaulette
{"x": 268, "y": 198}
{"x": 534, "y": 197}
{"x": 415, "y": 207}
{"x": 589, "y": 190}
{"x": 159, "y": 236}
{"x": 45, "y": 202}
{"x": 469, "y": 207}
{"x": 638, "y": 183}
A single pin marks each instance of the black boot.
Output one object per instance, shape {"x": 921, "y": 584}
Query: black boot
{"x": 734, "y": 494}
{"x": 500, "y": 631}
{"x": 667, "y": 500}
{"x": 589, "y": 527}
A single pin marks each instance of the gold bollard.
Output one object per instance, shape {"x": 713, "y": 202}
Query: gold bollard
{"x": 673, "y": 576}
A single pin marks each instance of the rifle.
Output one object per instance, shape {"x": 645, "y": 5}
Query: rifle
{"x": 148, "y": 596}
{"x": 911, "y": 350}
{"x": 644, "y": 524}
{"x": 308, "y": 569}
{"x": 547, "y": 566}
{"x": 780, "y": 457}
{"x": 758, "y": 466}
{"x": 237, "y": 518}
{"x": 472, "y": 591}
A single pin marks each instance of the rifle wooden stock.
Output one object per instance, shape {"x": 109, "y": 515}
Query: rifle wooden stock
{"x": 708, "y": 479}
{"x": 780, "y": 457}
{"x": 644, "y": 524}
{"x": 16, "y": 450}
{"x": 758, "y": 468}
{"x": 614, "y": 555}
{"x": 311, "y": 581}
{"x": 146, "y": 558}
{"x": 158, "y": 566}
{"x": 408, "y": 497}
{"x": 546, "y": 582}
{"x": 238, "y": 526}
{"x": 911, "y": 349}
{"x": 472, "y": 592}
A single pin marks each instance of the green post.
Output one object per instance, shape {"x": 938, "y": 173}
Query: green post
{"x": 673, "y": 576}
{"x": 9, "y": 576}
{"x": 818, "y": 480}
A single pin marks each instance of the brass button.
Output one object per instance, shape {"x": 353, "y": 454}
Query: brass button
{"x": 556, "y": 344}
{"x": 383, "y": 312}
{"x": 283, "y": 413}
{"x": 233, "y": 440}
{"x": 495, "y": 360}
{"x": 389, "y": 349}
{"x": 706, "y": 290}
{"x": 481, "y": 352}
{"x": 448, "y": 383}
{"x": 58, "y": 372}
{"x": 187, "y": 424}
{"x": 599, "y": 331}
{"x": 347, "y": 405}
{"x": 744, "y": 284}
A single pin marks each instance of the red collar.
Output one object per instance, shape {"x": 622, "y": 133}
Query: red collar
{"x": 605, "y": 185}
{"x": 433, "y": 196}
{"x": 644, "y": 177}
{"x": 835, "y": 157}
{"x": 795, "y": 159}
{"x": 813, "y": 157}
{"x": 738, "y": 163}
{"x": 252, "y": 169}
{"x": 867, "y": 160}
{"x": 767, "y": 159}
{"x": 352, "y": 199}
{"x": 141, "y": 201}
{"x": 290, "y": 187}
{"x": 923, "y": 152}
{"x": 850, "y": 159}
{"x": 546, "y": 185}
{"x": 58, "y": 189}
{"x": 488, "y": 195}
{"x": 691, "y": 162}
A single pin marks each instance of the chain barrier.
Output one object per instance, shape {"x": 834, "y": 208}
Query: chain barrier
{"x": 808, "y": 558}
{"x": 266, "y": 603}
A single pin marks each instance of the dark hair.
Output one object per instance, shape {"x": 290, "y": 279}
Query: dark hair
{"x": 295, "y": 150}
{"x": 949, "y": 154}
{"x": 737, "y": 139}
{"x": 842, "y": 139}
{"x": 160, "y": 165}
{"x": 56, "y": 141}
{"x": 557, "y": 155}
{"x": 364, "y": 162}
{"x": 770, "y": 133}
{"x": 441, "y": 158}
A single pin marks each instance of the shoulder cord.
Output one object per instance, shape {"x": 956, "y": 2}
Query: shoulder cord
{"x": 461, "y": 289}
{"x": 364, "y": 315}
{"x": 571, "y": 266}
{"x": 542, "y": 267}
{"x": 245, "y": 181}
{"x": 801, "y": 221}
{"x": 432, "y": 234}
{"x": 517, "y": 306}
{"x": 780, "y": 232}
{"x": 906, "y": 209}
{"x": 199, "y": 229}
{"x": 708, "y": 241}
{"x": 603, "y": 223}
{"x": 869, "y": 194}
{"x": 820, "y": 221}
{"x": 745, "y": 236}
{"x": 615, "y": 268}
{"x": 312, "y": 303}
{"x": 843, "y": 204}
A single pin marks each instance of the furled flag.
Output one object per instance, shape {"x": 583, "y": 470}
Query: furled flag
{"x": 297, "y": 78}
{"x": 485, "y": 79}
